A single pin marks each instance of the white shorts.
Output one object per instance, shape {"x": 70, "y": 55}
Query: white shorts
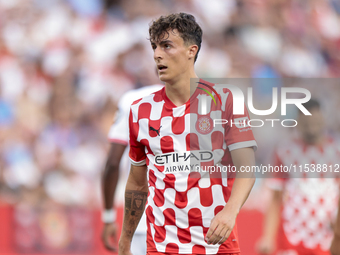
{"x": 138, "y": 244}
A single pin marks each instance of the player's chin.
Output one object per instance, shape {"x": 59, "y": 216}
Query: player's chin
{"x": 163, "y": 77}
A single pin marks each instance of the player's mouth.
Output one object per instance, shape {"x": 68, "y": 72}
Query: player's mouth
{"x": 161, "y": 68}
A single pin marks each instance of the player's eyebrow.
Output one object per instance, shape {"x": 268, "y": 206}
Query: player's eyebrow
{"x": 165, "y": 41}
{"x": 161, "y": 42}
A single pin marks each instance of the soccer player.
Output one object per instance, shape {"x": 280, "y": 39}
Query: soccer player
{"x": 188, "y": 211}
{"x": 335, "y": 247}
{"x": 117, "y": 166}
{"x": 303, "y": 206}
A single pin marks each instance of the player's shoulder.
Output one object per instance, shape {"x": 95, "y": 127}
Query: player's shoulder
{"x": 220, "y": 93}
{"x": 217, "y": 86}
{"x": 147, "y": 94}
{"x": 203, "y": 84}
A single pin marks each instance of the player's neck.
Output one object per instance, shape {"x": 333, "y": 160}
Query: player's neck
{"x": 178, "y": 91}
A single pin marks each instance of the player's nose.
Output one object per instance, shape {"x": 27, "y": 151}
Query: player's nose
{"x": 157, "y": 54}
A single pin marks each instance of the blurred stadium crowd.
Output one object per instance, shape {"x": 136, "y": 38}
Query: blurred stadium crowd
{"x": 64, "y": 64}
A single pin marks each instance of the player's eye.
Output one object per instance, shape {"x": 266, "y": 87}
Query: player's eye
{"x": 167, "y": 46}
{"x": 153, "y": 47}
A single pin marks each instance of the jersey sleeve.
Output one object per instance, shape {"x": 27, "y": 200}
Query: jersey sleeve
{"x": 137, "y": 150}
{"x": 119, "y": 130}
{"x": 238, "y": 134}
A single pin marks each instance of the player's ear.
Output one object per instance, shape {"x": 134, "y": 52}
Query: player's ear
{"x": 192, "y": 51}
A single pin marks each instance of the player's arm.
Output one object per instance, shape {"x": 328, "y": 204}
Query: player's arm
{"x": 119, "y": 137}
{"x": 109, "y": 184}
{"x": 223, "y": 223}
{"x": 335, "y": 247}
{"x": 267, "y": 242}
{"x": 136, "y": 193}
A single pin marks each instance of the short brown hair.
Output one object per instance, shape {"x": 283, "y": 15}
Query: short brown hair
{"x": 186, "y": 25}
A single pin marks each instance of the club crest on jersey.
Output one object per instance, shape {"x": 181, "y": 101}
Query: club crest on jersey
{"x": 204, "y": 125}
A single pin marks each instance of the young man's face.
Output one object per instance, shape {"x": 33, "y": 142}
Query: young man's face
{"x": 172, "y": 56}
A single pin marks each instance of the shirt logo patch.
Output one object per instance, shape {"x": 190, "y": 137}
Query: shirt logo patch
{"x": 156, "y": 130}
{"x": 204, "y": 125}
{"x": 187, "y": 161}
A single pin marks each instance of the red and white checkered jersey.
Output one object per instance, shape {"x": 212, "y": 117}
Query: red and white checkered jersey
{"x": 174, "y": 141}
{"x": 119, "y": 133}
{"x": 310, "y": 199}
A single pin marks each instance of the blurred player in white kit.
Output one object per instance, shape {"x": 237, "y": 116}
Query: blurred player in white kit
{"x": 116, "y": 172}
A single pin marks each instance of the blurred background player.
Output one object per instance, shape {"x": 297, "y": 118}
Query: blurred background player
{"x": 301, "y": 214}
{"x": 117, "y": 168}
{"x": 335, "y": 247}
